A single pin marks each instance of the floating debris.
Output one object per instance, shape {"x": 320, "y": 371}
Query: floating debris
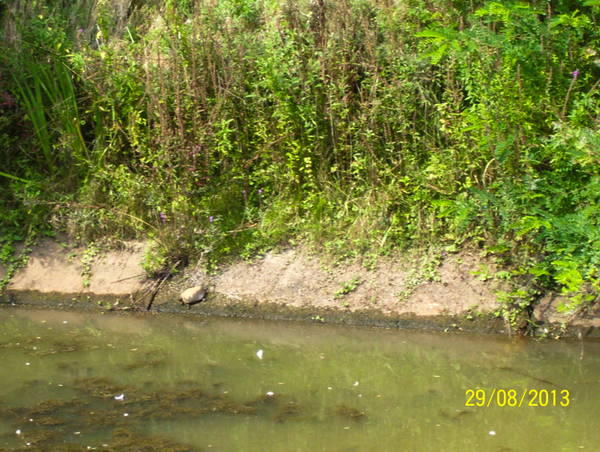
{"x": 259, "y": 354}
{"x": 510, "y": 369}
{"x": 462, "y": 413}
{"x": 349, "y": 412}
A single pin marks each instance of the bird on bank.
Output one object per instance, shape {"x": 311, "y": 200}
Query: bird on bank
{"x": 193, "y": 295}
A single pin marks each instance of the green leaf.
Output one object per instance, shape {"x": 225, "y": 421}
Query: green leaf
{"x": 529, "y": 223}
{"x": 437, "y": 55}
{"x": 13, "y": 177}
{"x": 538, "y": 271}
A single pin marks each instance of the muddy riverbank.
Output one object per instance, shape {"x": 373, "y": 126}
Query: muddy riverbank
{"x": 458, "y": 295}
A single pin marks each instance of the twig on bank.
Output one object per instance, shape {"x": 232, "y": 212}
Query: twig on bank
{"x": 159, "y": 285}
{"x": 125, "y": 279}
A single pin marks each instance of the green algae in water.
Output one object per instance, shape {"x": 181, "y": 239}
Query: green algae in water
{"x": 349, "y": 412}
{"x": 171, "y": 383}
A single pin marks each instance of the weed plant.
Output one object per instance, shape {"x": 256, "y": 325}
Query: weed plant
{"x": 221, "y": 128}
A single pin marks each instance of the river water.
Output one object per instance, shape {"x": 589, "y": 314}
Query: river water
{"x": 78, "y": 381}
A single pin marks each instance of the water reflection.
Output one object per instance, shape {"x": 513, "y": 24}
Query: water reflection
{"x": 73, "y": 381}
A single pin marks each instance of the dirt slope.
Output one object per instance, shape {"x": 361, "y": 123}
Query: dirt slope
{"x": 289, "y": 284}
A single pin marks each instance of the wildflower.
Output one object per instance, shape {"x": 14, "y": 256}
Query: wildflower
{"x": 575, "y": 74}
{"x": 10, "y": 101}
{"x": 259, "y": 192}
{"x": 211, "y": 219}
{"x": 163, "y": 217}
{"x": 80, "y": 30}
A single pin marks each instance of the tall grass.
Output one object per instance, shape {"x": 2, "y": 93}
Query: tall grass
{"x": 359, "y": 126}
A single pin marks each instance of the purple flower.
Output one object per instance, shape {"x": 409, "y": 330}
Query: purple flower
{"x": 259, "y": 192}
{"x": 10, "y": 101}
{"x": 211, "y": 219}
{"x": 163, "y": 217}
{"x": 575, "y": 74}
{"x": 444, "y": 254}
{"x": 80, "y": 30}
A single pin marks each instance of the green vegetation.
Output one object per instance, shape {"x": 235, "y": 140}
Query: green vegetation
{"x": 348, "y": 287}
{"x": 357, "y": 127}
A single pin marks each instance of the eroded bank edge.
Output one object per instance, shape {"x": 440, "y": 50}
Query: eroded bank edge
{"x": 219, "y": 305}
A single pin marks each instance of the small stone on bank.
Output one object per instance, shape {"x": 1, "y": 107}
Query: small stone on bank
{"x": 193, "y": 295}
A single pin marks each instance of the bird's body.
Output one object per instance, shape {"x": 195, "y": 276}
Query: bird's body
{"x": 193, "y": 295}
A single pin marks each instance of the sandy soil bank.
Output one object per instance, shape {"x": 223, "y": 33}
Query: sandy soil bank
{"x": 290, "y": 285}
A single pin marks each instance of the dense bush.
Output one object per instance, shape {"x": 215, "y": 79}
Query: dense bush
{"x": 357, "y": 126}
